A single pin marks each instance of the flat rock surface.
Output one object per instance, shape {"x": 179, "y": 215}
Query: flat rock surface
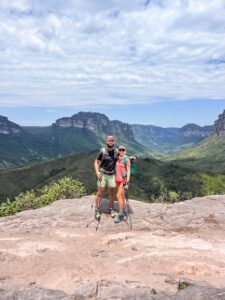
{"x": 50, "y": 254}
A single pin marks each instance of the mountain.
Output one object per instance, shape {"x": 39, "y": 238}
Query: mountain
{"x": 98, "y": 123}
{"x": 8, "y": 127}
{"x": 40, "y": 143}
{"x": 81, "y": 133}
{"x": 86, "y": 131}
{"x": 170, "y": 140}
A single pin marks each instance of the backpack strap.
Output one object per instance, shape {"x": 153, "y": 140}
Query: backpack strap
{"x": 116, "y": 152}
{"x": 125, "y": 159}
{"x": 104, "y": 151}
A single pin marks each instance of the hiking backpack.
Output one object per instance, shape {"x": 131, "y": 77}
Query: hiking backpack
{"x": 132, "y": 159}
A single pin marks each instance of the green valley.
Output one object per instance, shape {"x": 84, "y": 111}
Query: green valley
{"x": 155, "y": 180}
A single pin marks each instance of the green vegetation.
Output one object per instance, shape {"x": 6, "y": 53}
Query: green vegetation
{"x": 64, "y": 188}
{"x": 43, "y": 143}
{"x": 212, "y": 184}
{"x": 32, "y": 177}
{"x": 155, "y": 181}
{"x": 209, "y": 156}
{"x": 56, "y": 163}
{"x": 182, "y": 285}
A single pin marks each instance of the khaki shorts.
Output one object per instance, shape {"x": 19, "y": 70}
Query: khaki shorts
{"x": 107, "y": 180}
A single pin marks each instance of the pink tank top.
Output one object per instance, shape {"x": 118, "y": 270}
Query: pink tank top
{"x": 120, "y": 170}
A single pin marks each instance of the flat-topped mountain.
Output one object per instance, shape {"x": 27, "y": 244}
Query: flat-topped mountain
{"x": 98, "y": 123}
{"x": 48, "y": 253}
{"x": 8, "y": 127}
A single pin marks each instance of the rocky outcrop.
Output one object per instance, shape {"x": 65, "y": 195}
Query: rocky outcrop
{"x": 49, "y": 253}
{"x": 219, "y": 125}
{"x": 106, "y": 290}
{"x": 8, "y": 127}
{"x": 97, "y": 123}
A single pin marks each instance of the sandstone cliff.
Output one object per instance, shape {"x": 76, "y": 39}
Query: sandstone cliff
{"x": 8, "y": 127}
{"x": 219, "y": 124}
{"x": 97, "y": 123}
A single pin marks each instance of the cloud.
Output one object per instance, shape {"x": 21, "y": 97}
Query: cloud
{"x": 80, "y": 52}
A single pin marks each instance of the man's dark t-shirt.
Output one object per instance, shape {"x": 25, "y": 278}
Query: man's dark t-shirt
{"x": 108, "y": 161}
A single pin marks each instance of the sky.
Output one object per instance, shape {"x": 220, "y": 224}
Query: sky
{"x": 158, "y": 62}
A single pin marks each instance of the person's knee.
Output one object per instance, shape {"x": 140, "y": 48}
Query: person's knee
{"x": 111, "y": 191}
{"x": 119, "y": 194}
{"x": 100, "y": 192}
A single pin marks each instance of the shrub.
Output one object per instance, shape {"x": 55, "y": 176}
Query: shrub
{"x": 7, "y": 208}
{"x": 26, "y": 200}
{"x": 173, "y": 197}
{"x": 64, "y": 188}
{"x": 213, "y": 184}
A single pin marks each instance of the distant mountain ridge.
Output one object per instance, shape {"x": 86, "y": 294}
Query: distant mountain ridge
{"x": 170, "y": 139}
{"x": 82, "y": 133}
{"x": 86, "y": 131}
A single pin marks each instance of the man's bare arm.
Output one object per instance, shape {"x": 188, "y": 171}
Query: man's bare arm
{"x": 96, "y": 165}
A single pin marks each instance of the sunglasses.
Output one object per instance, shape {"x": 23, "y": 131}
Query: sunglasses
{"x": 122, "y": 149}
{"x": 110, "y": 140}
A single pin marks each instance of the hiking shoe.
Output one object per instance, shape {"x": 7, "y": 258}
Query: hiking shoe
{"x": 112, "y": 212}
{"x": 119, "y": 217}
{"x": 97, "y": 215}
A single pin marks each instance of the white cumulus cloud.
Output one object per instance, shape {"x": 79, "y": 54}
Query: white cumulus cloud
{"x": 81, "y": 52}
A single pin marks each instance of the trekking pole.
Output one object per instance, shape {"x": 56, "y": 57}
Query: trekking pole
{"x": 94, "y": 219}
{"x": 99, "y": 219}
{"x": 128, "y": 220}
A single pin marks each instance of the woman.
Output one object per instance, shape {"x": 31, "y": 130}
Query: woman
{"x": 122, "y": 181}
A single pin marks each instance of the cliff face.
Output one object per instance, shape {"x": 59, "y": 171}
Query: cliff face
{"x": 97, "y": 123}
{"x": 8, "y": 127}
{"x": 219, "y": 125}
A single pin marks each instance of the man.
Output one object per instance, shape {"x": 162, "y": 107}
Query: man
{"x": 105, "y": 171}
